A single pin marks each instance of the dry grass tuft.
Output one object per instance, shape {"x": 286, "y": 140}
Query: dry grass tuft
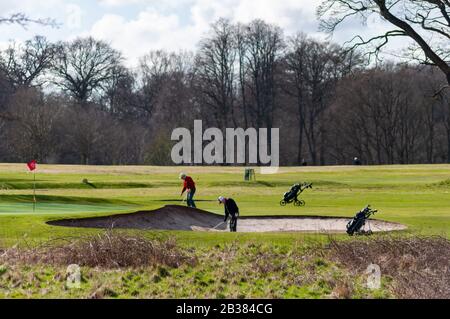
{"x": 419, "y": 266}
{"x": 342, "y": 290}
{"x": 109, "y": 250}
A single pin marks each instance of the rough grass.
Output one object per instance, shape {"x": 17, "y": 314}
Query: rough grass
{"x": 272, "y": 265}
{"x": 419, "y": 266}
{"x": 110, "y": 250}
{"x": 116, "y": 265}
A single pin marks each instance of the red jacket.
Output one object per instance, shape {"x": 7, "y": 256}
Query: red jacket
{"x": 188, "y": 183}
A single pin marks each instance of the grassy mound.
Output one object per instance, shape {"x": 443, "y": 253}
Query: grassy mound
{"x": 108, "y": 250}
{"x": 418, "y": 265}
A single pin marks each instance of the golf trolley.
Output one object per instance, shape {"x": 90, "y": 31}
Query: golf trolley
{"x": 356, "y": 225}
{"x": 292, "y": 195}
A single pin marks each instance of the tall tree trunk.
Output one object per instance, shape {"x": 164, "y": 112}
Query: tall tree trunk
{"x": 300, "y": 145}
{"x": 448, "y": 144}
{"x": 322, "y": 146}
{"x": 301, "y": 126}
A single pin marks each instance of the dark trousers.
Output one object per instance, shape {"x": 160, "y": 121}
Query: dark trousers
{"x": 190, "y": 198}
{"x": 233, "y": 224}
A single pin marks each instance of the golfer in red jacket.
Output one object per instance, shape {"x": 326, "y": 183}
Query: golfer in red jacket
{"x": 188, "y": 185}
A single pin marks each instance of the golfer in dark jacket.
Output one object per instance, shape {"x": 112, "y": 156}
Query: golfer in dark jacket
{"x": 232, "y": 210}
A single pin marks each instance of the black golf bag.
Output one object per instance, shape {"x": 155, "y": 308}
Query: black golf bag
{"x": 356, "y": 225}
{"x": 292, "y": 195}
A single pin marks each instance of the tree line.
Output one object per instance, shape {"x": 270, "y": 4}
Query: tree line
{"x": 78, "y": 102}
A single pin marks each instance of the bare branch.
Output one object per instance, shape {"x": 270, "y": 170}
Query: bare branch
{"x": 23, "y": 20}
{"x": 433, "y": 17}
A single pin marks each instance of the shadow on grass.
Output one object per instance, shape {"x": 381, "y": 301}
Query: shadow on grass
{"x": 177, "y": 200}
{"x": 62, "y": 199}
{"x": 49, "y": 185}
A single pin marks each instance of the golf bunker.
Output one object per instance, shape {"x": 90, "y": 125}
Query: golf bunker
{"x": 188, "y": 219}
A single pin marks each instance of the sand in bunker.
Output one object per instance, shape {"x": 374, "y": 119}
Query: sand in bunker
{"x": 183, "y": 218}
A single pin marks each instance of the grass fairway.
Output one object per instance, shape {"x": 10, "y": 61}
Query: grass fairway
{"x": 416, "y": 196}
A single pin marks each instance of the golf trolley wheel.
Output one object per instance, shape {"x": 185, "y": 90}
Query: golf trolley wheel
{"x": 299, "y": 203}
{"x": 283, "y": 203}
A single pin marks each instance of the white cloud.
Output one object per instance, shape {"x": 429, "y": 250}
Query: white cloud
{"x": 74, "y": 17}
{"x": 32, "y": 7}
{"x": 118, "y": 3}
{"x": 149, "y": 31}
{"x": 137, "y": 26}
{"x": 157, "y": 27}
{"x": 288, "y": 14}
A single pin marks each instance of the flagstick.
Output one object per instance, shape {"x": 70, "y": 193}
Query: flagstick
{"x": 34, "y": 192}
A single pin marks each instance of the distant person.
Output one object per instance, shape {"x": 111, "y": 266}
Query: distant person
{"x": 189, "y": 186}
{"x": 231, "y": 210}
{"x": 357, "y": 161}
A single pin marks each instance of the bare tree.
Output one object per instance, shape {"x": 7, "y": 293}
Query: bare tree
{"x": 241, "y": 48}
{"x": 32, "y": 122}
{"x": 309, "y": 88}
{"x": 120, "y": 96}
{"x": 24, "y": 65}
{"x": 440, "y": 105}
{"x": 314, "y": 69}
{"x": 6, "y": 90}
{"x": 162, "y": 83}
{"x": 445, "y": 103}
{"x": 154, "y": 69}
{"x": 178, "y": 104}
{"x": 264, "y": 49}
{"x": 215, "y": 66}
{"x": 426, "y": 22}
{"x": 83, "y": 131}
{"x": 296, "y": 71}
{"x": 84, "y": 67}
{"x": 384, "y": 116}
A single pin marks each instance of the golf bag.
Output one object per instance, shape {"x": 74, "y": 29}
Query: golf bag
{"x": 292, "y": 195}
{"x": 356, "y": 225}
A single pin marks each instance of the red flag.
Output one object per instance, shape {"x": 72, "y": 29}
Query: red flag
{"x": 32, "y": 165}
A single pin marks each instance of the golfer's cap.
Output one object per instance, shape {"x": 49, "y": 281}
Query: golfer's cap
{"x": 221, "y": 199}
{"x": 182, "y": 175}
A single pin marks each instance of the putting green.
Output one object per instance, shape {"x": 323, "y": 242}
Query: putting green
{"x": 11, "y": 209}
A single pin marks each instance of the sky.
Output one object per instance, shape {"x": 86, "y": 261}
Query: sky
{"x": 136, "y": 27}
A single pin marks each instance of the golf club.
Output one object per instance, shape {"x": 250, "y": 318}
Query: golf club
{"x": 183, "y": 199}
{"x": 219, "y": 225}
